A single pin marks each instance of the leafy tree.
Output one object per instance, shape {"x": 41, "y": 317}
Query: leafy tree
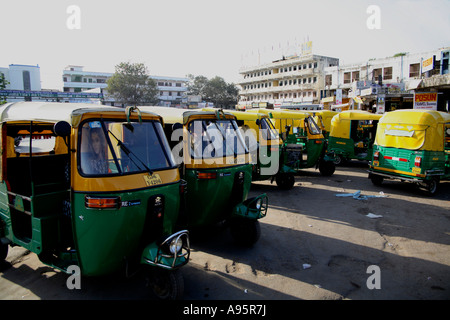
{"x": 216, "y": 90}
{"x": 3, "y": 84}
{"x": 131, "y": 85}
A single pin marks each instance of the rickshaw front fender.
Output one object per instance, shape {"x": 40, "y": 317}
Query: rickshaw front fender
{"x": 286, "y": 169}
{"x": 158, "y": 254}
{"x": 253, "y": 208}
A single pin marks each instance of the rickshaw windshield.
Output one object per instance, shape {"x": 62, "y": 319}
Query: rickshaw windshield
{"x": 312, "y": 126}
{"x": 215, "y": 139}
{"x": 114, "y": 147}
{"x": 268, "y": 130}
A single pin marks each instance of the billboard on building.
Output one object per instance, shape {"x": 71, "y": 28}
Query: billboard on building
{"x": 427, "y": 64}
{"x": 426, "y": 100}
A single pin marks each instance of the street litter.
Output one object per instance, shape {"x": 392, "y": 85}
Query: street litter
{"x": 373, "y": 216}
{"x": 358, "y": 196}
{"x": 306, "y": 266}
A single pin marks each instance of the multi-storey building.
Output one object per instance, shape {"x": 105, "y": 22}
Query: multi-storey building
{"x": 21, "y": 78}
{"x": 172, "y": 90}
{"x": 394, "y": 78}
{"x": 292, "y": 80}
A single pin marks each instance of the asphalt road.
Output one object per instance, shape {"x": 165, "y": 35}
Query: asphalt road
{"x": 392, "y": 242}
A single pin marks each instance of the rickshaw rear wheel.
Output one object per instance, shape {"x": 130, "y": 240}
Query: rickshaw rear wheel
{"x": 327, "y": 168}
{"x": 285, "y": 181}
{"x": 376, "y": 179}
{"x": 166, "y": 284}
{"x": 431, "y": 186}
{"x": 340, "y": 160}
{"x": 245, "y": 232}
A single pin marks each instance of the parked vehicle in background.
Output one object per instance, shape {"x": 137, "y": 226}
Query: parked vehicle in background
{"x": 352, "y": 135}
{"x": 412, "y": 146}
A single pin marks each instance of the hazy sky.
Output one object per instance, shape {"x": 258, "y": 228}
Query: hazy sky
{"x": 211, "y": 37}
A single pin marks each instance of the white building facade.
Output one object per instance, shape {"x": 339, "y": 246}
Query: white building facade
{"x": 172, "y": 90}
{"x": 395, "y": 78}
{"x": 292, "y": 80}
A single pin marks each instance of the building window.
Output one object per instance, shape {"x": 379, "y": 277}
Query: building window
{"x": 414, "y": 70}
{"x": 377, "y": 73}
{"x": 26, "y": 80}
{"x": 328, "y": 80}
{"x": 387, "y": 73}
{"x": 347, "y": 77}
{"x": 355, "y": 76}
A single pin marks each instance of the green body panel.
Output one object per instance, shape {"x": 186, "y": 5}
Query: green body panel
{"x": 311, "y": 152}
{"x": 38, "y": 230}
{"x": 209, "y": 201}
{"x": 347, "y": 149}
{"x": 433, "y": 163}
{"x": 105, "y": 237}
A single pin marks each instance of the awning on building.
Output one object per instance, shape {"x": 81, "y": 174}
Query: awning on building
{"x": 413, "y": 84}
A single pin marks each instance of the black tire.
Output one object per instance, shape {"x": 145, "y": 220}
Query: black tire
{"x": 166, "y": 284}
{"x": 376, "y": 179}
{"x": 245, "y": 232}
{"x": 339, "y": 160}
{"x": 285, "y": 181}
{"x": 431, "y": 187}
{"x": 327, "y": 168}
{"x": 3, "y": 252}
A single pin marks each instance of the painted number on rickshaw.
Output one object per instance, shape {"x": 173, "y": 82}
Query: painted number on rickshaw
{"x": 153, "y": 179}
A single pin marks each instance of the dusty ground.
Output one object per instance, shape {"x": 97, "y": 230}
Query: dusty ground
{"x": 314, "y": 246}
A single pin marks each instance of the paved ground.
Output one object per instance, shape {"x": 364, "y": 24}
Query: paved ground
{"x": 314, "y": 245}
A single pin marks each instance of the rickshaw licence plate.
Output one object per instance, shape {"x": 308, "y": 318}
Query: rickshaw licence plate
{"x": 415, "y": 170}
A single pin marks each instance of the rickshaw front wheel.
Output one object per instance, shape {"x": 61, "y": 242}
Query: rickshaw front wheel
{"x": 166, "y": 284}
{"x": 285, "y": 181}
{"x": 244, "y": 231}
{"x": 327, "y": 168}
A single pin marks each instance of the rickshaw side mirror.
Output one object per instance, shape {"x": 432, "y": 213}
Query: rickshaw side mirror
{"x": 62, "y": 128}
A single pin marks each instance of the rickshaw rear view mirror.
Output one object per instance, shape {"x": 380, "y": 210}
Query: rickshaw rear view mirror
{"x": 62, "y": 129}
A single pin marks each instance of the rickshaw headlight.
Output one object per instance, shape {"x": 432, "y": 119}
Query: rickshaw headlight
{"x": 176, "y": 245}
{"x": 258, "y": 204}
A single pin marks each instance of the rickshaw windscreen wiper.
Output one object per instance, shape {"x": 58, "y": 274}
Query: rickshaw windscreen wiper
{"x": 128, "y": 152}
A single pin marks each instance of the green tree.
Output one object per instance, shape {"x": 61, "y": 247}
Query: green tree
{"x": 131, "y": 85}
{"x": 216, "y": 90}
{"x": 3, "y": 84}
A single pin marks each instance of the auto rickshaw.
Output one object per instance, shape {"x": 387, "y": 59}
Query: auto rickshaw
{"x": 92, "y": 187}
{"x": 323, "y": 119}
{"x": 303, "y": 143}
{"x": 216, "y": 165}
{"x": 265, "y": 146}
{"x": 412, "y": 145}
{"x": 352, "y": 135}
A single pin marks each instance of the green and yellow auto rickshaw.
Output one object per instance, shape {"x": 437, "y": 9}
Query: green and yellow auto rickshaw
{"x": 352, "y": 135}
{"x": 265, "y": 146}
{"x": 323, "y": 119}
{"x": 91, "y": 187}
{"x": 412, "y": 146}
{"x": 216, "y": 166}
{"x": 303, "y": 142}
